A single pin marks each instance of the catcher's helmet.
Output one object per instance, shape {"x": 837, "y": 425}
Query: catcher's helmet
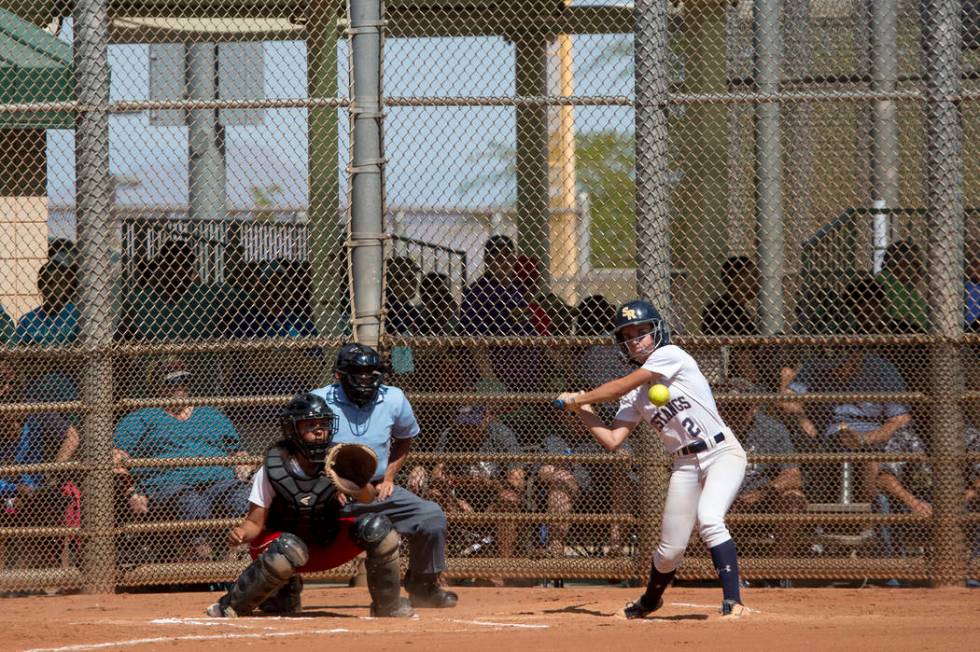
{"x": 635, "y": 312}
{"x": 361, "y": 371}
{"x": 304, "y": 407}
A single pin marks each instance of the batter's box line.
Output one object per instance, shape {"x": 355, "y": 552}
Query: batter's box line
{"x": 80, "y": 647}
{"x": 711, "y": 606}
{"x": 487, "y": 623}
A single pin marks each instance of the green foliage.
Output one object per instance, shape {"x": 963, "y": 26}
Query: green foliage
{"x": 605, "y": 171}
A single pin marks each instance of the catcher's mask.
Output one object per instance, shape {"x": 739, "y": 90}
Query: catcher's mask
{"x": 311, "y": 408}
{"x": 361, "y": 371}
{"x": 638, "y": 312}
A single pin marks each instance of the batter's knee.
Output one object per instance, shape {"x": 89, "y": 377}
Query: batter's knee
{"x": 668, "y": 557}
{"x": 714, "y": 533}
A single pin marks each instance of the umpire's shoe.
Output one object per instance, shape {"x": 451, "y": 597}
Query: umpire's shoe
{"x": 638, "y": 609}
{"x": 425, "y": 591}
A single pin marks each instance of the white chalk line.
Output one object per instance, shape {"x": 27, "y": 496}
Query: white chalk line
{"x": 168, "y": 639}
{"x": 486, "y": 623}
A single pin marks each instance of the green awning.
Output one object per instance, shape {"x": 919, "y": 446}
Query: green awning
{"x": 34, "y": 67}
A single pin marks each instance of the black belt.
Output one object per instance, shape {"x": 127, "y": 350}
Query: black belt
{"x": 698, "y": 446}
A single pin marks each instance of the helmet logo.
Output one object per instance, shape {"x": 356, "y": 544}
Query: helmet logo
{"x": 629, "y": 312}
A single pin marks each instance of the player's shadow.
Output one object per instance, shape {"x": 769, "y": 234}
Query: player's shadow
{"x": 680, "y": 617}
{"x": 576, "y": 609}
{"x": 323, "y": 611}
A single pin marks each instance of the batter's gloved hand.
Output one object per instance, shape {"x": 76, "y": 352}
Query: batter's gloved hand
{"x": 350, "y": 467}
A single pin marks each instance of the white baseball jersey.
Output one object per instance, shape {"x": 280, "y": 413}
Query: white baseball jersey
{"x": 689, "y": 415}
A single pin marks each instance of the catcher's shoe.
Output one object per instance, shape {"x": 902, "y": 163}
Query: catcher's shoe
{"x": 733, "y": 609}
{"x": 637, "y": 609}
{"x": 218, "y": 611}
{"x": 425, "y": 591}
{"x": 403, "y": 610}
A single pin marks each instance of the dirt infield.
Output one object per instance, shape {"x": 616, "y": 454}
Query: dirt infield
{"x": 570, "y": 619}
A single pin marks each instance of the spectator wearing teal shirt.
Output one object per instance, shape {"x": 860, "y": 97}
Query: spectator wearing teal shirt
{"x": 7, "y": 327}
{"x": 186, "y": 493}
{"x": 55, "y": 321}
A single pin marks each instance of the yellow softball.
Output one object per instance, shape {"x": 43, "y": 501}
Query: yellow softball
{"x": 659, "y": 395}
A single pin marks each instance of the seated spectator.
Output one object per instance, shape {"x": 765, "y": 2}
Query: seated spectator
{"x": 597, "y": 363}
{"x": 55, "y": 321}
{"x": 186, "y": 493}
{"x": 35, "y": 499}
{"x": 580, "y": 486}
{"x": 401, "y": 287}
{"x": 901, "y": 276}
{"x": 401, "y": 314}
{"x": 493, "y": 305}
{"x": 769, "y": 486}
{"x": 175, "y": 305}
{"x": 904, "y": 487}
{"x": 8, "y": 329}
{"x": 733, "y": 313}
{"x": 280, "y": 309}
{"x": 848, "y": 426}
{"x": 971, "y": 286}
{"x": 437, "y": 309}
{"x": 479, "y": 487}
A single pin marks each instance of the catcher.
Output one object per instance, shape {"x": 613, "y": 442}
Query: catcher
{"x": 295, "y": 525}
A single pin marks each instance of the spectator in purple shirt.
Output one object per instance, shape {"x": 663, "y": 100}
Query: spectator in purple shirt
{"x": 493, "y": 305}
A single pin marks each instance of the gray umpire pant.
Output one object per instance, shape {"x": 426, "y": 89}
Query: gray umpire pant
{"x": 421, "y": 522}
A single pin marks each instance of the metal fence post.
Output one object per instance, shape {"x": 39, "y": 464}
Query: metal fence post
{"x": 942, "y": 45}
{"x": 95, "y": 228}
{"x": 884, "y": 128}
{"x": 767, "y": 38}
{"x": 651, "y": 60}
{"x": 366, "y": 169}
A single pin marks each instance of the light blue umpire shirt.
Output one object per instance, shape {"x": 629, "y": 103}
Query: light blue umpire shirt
{"x": 389, "y": 416}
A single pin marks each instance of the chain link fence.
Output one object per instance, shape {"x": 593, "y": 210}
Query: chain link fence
{"x": 201, "y": 201}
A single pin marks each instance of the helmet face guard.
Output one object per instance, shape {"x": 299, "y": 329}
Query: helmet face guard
{"x": 308, "y": 407}
{"x": 361, "y": 372}
{"x": 636, "y": 313}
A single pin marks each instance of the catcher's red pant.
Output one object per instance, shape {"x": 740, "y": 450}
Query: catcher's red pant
{"x": 341, "y": 551}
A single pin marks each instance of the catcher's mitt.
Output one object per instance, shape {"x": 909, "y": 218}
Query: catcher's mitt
{"x": 350, "y": 467}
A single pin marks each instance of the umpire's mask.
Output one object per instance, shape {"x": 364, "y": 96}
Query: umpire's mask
{"x": 360, "y": 371}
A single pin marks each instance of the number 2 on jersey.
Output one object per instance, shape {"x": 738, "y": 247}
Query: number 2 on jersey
{"x": 691, "y": 427}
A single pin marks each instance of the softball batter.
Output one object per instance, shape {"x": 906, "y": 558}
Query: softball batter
{"x": 708, "y": 462}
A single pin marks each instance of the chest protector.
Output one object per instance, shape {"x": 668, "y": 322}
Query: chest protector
{"x": 306, "y": 507}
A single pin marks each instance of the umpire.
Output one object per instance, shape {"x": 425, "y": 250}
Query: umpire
{"x": 379, "y": 416}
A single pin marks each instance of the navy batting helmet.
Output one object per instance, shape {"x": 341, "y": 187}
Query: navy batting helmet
{"x": 361, "y": 371}
{"x": 307, "y": 407}
{"x": 636, "y": 312}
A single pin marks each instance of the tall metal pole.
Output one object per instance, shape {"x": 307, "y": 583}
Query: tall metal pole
{"x": 94, "y": 214}
{"x": 367, "y": 169}
{"x": 205, "y": 135}
{"x": 767, "y": 41}
{"x": 884, "y": 153}
{"x": 653, "y": 259}
{"x": 327, "y": 256}
{"x": 652, "y": 66}
{"x": 942, "y": 45}
{"x": 531, "y": 80}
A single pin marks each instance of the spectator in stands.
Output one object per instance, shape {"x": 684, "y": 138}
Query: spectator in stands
{"x": 7, "y": 327}
{"x": 438, "y": 310}
{"x": 901, "y": 276}
{"x": 972, "y": 288}
{"x": 597, "y": 363}
{"x": 859, "y": 425}
{"x": 401, "y": 287}
{"x": 587, "y": 487}
{"x": 484, "y": 486}
{"x": 280, "y": 309}
{"x": 35, "y": 499}
{"x": 904, "y": 487}
{"x": 768, "y": 486}
{"x": 55, "y": 321}
{"x": 493, "y": 305}
{"x": 187, "y": 493}
{"x": 733, "y": 314}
